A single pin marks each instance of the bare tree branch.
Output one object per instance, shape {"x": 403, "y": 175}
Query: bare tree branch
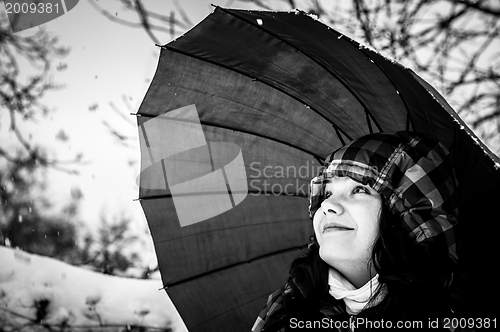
{"x": 258, "y": 3}
{"x": 445, "y": 41}
{"x": 22, "y": 99}
{"x": 144, "y": 20}
{"x": 154, "y": 15}
{"x": 183, "y": 14}
{"x": 125, "y": 22}
{"x": 363, "y": 17}
{"x": 479, "y": 5}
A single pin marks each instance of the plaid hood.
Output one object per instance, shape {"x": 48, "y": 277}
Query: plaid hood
{"x": 413, "y": 173}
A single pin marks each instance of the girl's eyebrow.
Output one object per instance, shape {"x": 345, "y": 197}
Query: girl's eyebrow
{"x": 347, "y": 188}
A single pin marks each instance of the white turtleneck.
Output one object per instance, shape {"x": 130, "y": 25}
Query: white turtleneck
{"x": 355, "y": 299}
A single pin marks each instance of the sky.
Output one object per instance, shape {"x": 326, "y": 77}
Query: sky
{"x": 107, "y": 63}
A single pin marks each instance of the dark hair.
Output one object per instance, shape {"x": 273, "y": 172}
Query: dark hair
{"x": 418, "y": 279}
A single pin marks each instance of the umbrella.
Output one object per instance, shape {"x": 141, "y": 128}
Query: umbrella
{"x": 241, "y": 110}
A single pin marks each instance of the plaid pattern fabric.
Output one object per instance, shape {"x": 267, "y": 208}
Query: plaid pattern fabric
{"x": 273, "y": 305}
{"x": 412, "y": 172}
{"x": 275, "y": 318}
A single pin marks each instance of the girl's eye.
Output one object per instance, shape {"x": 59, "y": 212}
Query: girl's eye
{"x": 360, "y": 190}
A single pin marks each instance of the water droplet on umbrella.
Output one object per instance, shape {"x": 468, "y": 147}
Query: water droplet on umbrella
{"x": 340, "y": 36}
{"x": 20, "y": 218}
{"x": 259, "y": 21}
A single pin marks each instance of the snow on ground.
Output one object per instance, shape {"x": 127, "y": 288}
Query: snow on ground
{"x": 40, "y": 289}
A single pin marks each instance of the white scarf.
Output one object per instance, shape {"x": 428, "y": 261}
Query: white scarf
{"x": 355, "y": 299}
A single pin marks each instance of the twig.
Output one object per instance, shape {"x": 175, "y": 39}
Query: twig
{"x": 181, "y": 11}
{"x": 478, "y": 5}
{"x": 121, "y": 21}
{"x": 144, "y": 20}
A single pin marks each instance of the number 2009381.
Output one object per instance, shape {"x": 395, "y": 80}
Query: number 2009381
{"x": 470, "y": 323}
{"x": 24, "y": 8}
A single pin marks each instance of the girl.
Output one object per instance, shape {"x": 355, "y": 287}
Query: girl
{"x": 385, "y": 226}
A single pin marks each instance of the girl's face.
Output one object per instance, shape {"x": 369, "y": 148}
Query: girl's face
{"x": 346, "y": 224}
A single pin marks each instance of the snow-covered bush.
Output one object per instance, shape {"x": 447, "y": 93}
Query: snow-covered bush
{"x": 42, "y": 294}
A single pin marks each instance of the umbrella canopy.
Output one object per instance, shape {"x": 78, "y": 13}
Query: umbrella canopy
{"x": 281, "y": 90}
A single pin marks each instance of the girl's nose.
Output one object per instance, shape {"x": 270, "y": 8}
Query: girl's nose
{"x": 331, "y": 207}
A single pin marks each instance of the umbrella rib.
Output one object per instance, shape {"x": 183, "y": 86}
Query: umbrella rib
{"x": 353, "y": 43}
{"x": 253, "y": 78}
{"x": 260, "y": 192}
{"x": 369, "y": 122}
{"x": 216, "y": 230}
{"x": 339, "y": 135}
{"x": 201, "y": 275}
{"x": 216, "y": 125}
{"x": 364, "y": 51}
{"x": 358, "y": 46}
{"x": 408, "y": 114}
{"x": 229, "y": 311}
{"x": 340, "y": 79}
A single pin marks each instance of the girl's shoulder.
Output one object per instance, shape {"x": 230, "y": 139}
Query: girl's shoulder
{"x": 273, "y": 311}
{"x": 286, "y": 310}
